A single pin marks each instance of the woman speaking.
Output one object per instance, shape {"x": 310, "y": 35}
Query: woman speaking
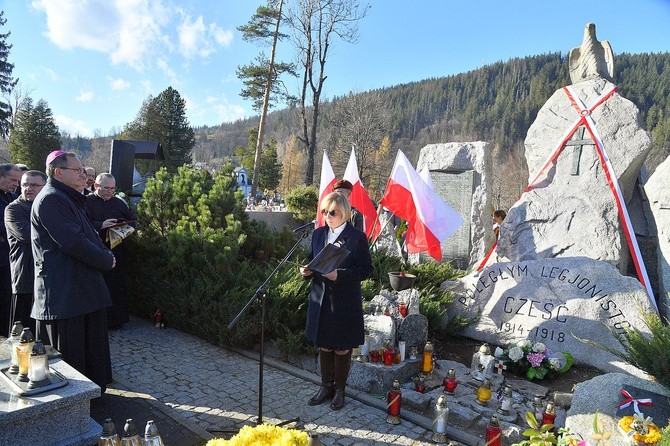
{"x": 335, "y": 310}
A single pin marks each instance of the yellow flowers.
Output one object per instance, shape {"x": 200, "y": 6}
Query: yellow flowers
{"x": 650, "y": 438}
{"x": 264, "y": 435}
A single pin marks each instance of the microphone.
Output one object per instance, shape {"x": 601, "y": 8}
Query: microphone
{"x": 304, "y": 227}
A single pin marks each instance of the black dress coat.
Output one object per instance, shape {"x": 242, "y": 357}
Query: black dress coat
{"x": 69, "y": 256}
{"x": 335, "y": 309}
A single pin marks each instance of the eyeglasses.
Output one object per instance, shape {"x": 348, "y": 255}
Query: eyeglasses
{"x": 27, "y": 185}
{"x": 332, "y": 213}
{"x": 109, "y": 189}
{"x": 81, "y": 170}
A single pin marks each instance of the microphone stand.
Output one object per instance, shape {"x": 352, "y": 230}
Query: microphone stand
{"x": 260, "y": 295}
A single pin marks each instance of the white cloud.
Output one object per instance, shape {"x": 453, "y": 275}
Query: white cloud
{"x": 130, "y": 31}
{"x": 167, "y": 70}
{"x": 229, "y": 112}
{"x": 198, "y": 39}
{"x": 51, "y": 73}
{"x": 72, "y": 126}
{"x": 211, "y": 100}
{"x": 84, "y": 96}
{"x": 118, "y": 84}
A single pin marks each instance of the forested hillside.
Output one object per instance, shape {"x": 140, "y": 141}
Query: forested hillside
{"x": 496, "y": 103}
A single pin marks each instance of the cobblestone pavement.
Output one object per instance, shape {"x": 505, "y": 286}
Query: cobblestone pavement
{"x": 209, "y": 389}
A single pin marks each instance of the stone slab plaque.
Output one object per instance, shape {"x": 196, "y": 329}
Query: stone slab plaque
{"x": 414, "y": 331}
{"x": 554, "y": 301}
{"x": 659, "y": 409}
{"x": 456, "y": 189}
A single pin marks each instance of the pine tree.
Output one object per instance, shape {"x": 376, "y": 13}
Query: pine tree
{"x": 271, "y": 170}
{"x": 163, "y": 119}
{"x": 35, "y": 134}
{"x": 6, "y": 80}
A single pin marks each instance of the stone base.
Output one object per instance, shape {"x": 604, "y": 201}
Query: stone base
{"x": 59, "y": 417}
{"x": 377, "y": 378}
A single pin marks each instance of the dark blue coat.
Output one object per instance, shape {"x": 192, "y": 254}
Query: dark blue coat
{"x": 335, "y": 309}
{"x": 69, "y": 256}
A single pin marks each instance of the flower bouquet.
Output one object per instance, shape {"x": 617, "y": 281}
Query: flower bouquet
{"x": 640, "y": 430}
{"x": 533, "y": 360}
{"x": 264, "y": 434}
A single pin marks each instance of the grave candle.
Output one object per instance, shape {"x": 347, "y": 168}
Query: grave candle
{"x": 38, "y": 371}
{"x": 450, "y": 382}
{"x": 440, "y": 418}
{"x": 26, "y": 341}
{"x": 549, "y": 414}
{"x": 401, "y": 348}
{"x": 483, "y": 392}
{"x": 506, "y": 403}
{"x": 493, "y": 432}
{"x": 13, "y": 344}
{"x": 427, "y": 359}
{"x": 393, "y": 403}
{"x": 388, "y": 353}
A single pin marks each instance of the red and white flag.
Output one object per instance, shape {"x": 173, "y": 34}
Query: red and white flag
{"x": 360, "y": 199}
{"x": 325, "y": 186}
{"x": 429, "y": 219}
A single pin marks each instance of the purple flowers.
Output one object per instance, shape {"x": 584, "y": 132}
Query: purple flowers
{"x": 535, "y": 359}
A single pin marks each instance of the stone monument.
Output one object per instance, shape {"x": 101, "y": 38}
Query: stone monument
{"x": 658, "y": 195}
{"x": 461, "y": 176}
{"x": 566, "y": 237}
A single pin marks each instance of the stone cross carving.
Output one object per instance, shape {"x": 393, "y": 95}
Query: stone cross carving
{"x": 579, "y": 142}
{"x": 592, "y": 59}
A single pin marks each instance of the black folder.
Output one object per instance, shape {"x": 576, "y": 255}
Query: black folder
{"x": 328, "y": 259}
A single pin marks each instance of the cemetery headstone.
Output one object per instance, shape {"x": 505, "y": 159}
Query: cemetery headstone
{"x": 414, "y": 331}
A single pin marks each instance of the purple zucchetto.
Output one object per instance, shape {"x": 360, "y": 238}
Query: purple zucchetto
{"x": 53, "y": 155}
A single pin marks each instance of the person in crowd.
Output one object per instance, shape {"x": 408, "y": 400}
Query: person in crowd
{"x": 335, "y": 311}
{"x": 345, "y": 188}
{"x": 498, "y": 217}
{"x": 90, "y": 180}
{"x": 106, "y": 210}
{"x": 10, "y": 176}
{"x": 69, "y": 258}
{"x": 17, "y": 222}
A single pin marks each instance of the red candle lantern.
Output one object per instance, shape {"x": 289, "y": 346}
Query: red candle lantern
{"x": 493, "y": 432}
{"x": 549, "y": 414}
{"x": 393, "y": 403}
{"x": 402, "y": 309}
{"x": 420, "y": 384}
{"x": 374, "y": 355}
{"x": 388, "y": 353}
{"x": 450, "y": 382}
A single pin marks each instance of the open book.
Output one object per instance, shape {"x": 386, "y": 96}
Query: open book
{"x": 328, "y": 259}
{"x": 116, "y": 233}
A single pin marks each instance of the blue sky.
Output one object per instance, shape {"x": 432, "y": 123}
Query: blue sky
{"x": 96, "y": 61}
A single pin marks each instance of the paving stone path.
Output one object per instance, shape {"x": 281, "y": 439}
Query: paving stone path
{"x": 209, "y": 388}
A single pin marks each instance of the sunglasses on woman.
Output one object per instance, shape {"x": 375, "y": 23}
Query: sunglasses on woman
{"x": 332, "y": 213}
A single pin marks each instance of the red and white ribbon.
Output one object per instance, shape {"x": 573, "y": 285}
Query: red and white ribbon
{"x": 636, "y": 402}
{"x": 587, "y": 120}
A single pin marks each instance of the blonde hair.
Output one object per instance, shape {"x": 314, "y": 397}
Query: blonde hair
{"x": 339, "y": 202}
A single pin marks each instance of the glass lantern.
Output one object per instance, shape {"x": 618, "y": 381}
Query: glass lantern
{"x": 393, "y": 403}
{"x": 13, "y": 342}
{"x": 151, "y": 436}
{"x": 450, "y": 382}
{"x": 483, "y": 392}
{"x": 109, "y": 437}
{"x": 23, "y": 351}
{"x": 506, "y": 402}
{"x": 38, "y": 371}
{"x": 493, "y": 432}
{"x": 130, "y": 437}
{"x": 427, "y": 359}
{"x": 549, "y": 414}
{"x": 440, "y": 418}
{"x": 482, "y": 363}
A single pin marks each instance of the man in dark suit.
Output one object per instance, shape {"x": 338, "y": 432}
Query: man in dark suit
{"x": 10, "y": 176}
{"x": 69, "y": 257}
{"x": 17, "y": 221}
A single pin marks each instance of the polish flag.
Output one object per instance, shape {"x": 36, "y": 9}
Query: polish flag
{"x": 425, "y": 176}
{"x": 325, "y": 186}
{"x": 360, "y": 199}
{"x": 429, "y": 219}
